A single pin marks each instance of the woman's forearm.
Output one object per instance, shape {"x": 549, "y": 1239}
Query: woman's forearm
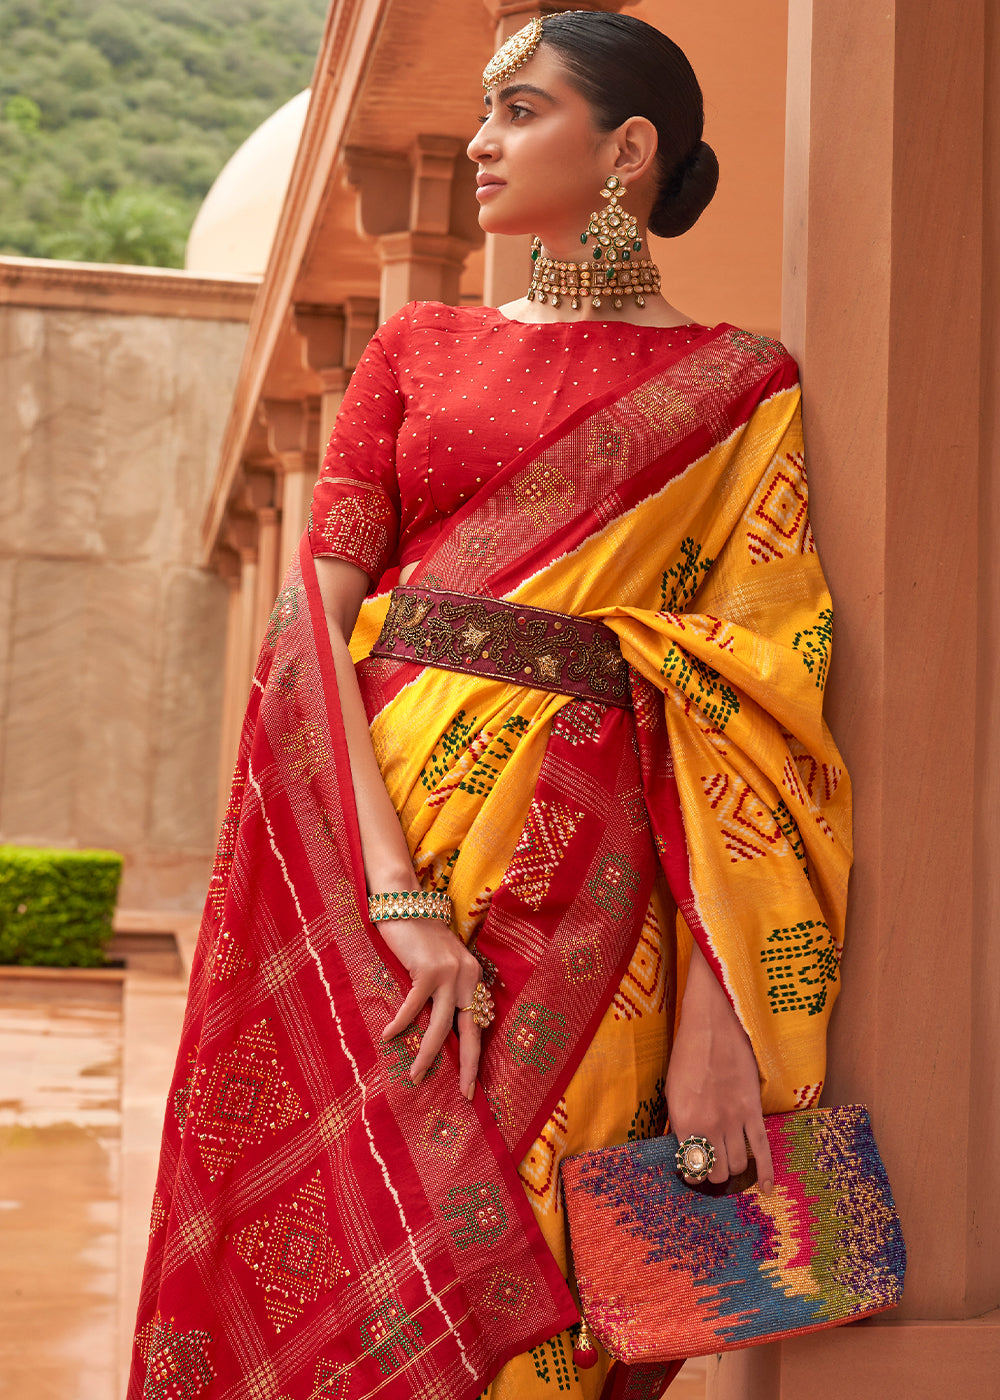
{"x": 386, "y": 856}
{"x": 387, "y": 861}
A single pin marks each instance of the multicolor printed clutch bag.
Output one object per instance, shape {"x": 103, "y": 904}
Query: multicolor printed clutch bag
{"x": 666, "y": 1271}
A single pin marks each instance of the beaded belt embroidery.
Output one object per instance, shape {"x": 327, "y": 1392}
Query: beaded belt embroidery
{"x": 506, "y": 641}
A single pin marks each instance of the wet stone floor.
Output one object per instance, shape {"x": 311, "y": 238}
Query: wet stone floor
{"x": 70, "y": 1249}
{"x": 60, "y": 1125}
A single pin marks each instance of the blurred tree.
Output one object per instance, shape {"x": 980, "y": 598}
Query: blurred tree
{"x": 129, "y": 226}
{"x": 22, "y": 112}
{"x": 117, "y": 33}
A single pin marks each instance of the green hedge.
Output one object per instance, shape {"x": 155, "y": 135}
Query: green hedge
{"x": 56, "y": 906}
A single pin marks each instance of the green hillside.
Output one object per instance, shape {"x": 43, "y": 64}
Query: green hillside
{"x": 115, "y": 118}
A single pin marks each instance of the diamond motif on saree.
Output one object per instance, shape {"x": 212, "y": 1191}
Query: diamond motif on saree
{"x": 664, "y": 408}
{"x": 547, "y": 833}
{"x": 240, "y": 1097}
{"x": 542, "y": 492}
{"x": 749, "y": 829}
{"x": 582, "y": 960}
{"x": 779, "y": 513}
{"x": 308, "y": 750}
{"x": 177, "y": 1364}
{"x": 401, "y": 1051}
{"x": 328, "y": 1383}
{"x": 643, "y": 989}
{"x": 507, "y": 1293}
{"x": 444, "y": 1134}
{"x": 228, "y": 958}
{"x": 539, "y": 1168}
{"x": 291, "y": 1253}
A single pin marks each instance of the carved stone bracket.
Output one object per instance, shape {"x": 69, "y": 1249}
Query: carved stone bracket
{"x": 292, "y": 427}
{"x": 419, "y": 209}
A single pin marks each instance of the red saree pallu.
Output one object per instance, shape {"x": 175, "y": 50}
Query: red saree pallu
{"x": 321, "y": 1226}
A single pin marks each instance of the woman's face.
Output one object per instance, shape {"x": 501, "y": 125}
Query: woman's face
{"x": 541, "y": 159}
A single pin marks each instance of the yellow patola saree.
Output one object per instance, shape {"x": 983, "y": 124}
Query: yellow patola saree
{"x": 324, "y": 1228}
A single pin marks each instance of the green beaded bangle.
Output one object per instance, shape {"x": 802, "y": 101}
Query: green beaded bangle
{"x": 410, "y": 904}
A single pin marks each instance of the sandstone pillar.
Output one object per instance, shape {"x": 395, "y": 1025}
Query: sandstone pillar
{"x": 260, "y": 498}
{"x": 333, "y": 340}
{"x": 226, "y": 563}
{"x": 884, "y": 295}
{"x": 292, "y": 427}
{"x": 420, "y": 212}
{"x": 237, "y": 556}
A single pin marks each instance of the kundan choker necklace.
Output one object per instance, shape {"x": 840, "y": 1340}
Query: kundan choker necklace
{"x": 552, "y": 280}
{"x": 613, "y": 272}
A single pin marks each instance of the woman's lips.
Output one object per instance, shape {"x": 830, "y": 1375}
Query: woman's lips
{"x": 489, "y": 187}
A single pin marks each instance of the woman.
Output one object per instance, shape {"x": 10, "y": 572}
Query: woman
{"x": 588, "y": 741}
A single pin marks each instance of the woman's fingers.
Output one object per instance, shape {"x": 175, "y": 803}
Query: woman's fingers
{"x": 470, "y": 1040}
{"x": 444, "y": 973}
{"x": 442, "y": 1015}
{"x": 407, "y": 1013}
{"x": 736, "y": 1152}
{"x": 720, "y": 1170}
{"x": 470, "y": 1037}
{"x": 761, "y": 1149}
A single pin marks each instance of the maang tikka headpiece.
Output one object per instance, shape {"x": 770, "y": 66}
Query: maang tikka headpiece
{"x": 509, "y": 57}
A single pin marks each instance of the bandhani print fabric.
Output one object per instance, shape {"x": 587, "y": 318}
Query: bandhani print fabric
{"x": 322, "y": 1227}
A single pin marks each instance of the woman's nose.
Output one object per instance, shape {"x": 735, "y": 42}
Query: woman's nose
{"x": 482, "y": 147}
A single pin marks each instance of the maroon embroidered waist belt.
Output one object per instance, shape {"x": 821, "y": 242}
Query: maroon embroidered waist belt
{"x": 506, "y": 641}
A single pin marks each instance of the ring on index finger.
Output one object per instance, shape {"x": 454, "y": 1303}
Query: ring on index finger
{"x": 695, "y": 1158}
{"x": 481, "y": 1006}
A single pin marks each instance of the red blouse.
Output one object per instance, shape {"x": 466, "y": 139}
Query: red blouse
{"x": 443, "y": 397}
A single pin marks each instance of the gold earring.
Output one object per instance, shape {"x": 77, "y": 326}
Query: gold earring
{"x": 615, "y": 232}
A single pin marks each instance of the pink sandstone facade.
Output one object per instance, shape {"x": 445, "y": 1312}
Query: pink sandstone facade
{"x": 115, "y": 384}
{"x": 870, "y": 239}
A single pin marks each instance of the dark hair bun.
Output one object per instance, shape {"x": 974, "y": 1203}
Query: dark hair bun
{"x": 686, "y": 191}
{"x": 624, "y": 68}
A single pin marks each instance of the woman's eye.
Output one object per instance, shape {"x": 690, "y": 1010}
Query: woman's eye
{"x": 517, "y": 111}
{"x": 482, "y": 120}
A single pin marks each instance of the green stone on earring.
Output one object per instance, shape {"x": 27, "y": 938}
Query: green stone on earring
{"x": 583, "y": 238}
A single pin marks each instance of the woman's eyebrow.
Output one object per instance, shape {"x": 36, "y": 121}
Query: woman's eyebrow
{"x": 516, "y": 90}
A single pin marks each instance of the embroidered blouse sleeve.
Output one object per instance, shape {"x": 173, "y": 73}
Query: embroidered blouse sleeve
{"x": 355, "y": 503}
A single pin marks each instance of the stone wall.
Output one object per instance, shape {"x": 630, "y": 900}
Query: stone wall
{"x": 112, "y": 637}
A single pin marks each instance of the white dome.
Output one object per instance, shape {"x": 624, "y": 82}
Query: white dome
{"x": 235, "y": 226}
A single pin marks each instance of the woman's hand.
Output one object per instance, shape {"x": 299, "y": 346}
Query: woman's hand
{"x": 713, "y": 1086}
{"x": 445, "y": 973}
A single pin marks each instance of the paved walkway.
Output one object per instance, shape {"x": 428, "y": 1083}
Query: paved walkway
{"x": 84, "y": 1067}
{"x": 60, "y": 1134}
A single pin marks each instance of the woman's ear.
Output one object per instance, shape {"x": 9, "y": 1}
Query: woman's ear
{"x": 636, "y": 141}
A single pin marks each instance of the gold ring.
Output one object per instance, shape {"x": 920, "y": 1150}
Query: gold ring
{"x": 481, "y": 1006}
{"x": 695, "y": 1158}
